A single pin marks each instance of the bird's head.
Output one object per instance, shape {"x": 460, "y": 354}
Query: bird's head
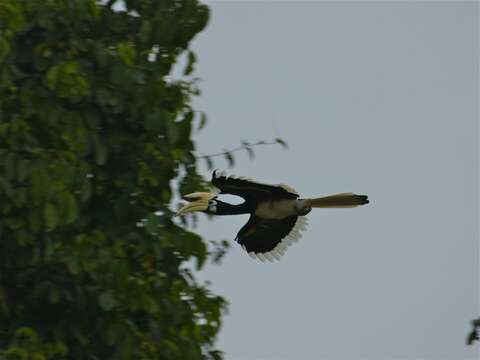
{"x": 199, "y": 201}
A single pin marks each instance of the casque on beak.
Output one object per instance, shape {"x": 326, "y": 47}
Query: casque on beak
{"x": 197, "y": 202}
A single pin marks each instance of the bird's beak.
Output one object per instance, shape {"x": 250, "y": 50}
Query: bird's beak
{"x": 197, "y": 202}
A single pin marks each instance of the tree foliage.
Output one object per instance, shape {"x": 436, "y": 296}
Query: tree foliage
{"x": 473, "y": 334}
{"x": 93, "y": 131}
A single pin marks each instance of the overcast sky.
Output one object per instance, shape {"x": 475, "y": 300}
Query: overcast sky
{"x": 373, "y": 97}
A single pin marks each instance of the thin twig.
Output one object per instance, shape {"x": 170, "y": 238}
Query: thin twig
{"x": 243, "y": 147}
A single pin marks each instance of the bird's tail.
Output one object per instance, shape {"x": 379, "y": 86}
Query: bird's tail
{"x": 338, "y": 201}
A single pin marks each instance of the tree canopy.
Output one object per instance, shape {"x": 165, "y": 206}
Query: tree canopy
{"x": 94, "y": 132}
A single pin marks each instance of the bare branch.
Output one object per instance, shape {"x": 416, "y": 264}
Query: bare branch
{"x": 244, "y": 146}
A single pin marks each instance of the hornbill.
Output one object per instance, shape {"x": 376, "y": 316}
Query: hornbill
{"x": 277, "y": 214}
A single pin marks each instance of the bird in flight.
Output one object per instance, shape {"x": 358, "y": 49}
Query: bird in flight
{"x": 277, "y": 213}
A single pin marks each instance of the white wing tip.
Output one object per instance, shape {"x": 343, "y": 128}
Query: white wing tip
{"x": 278, "y": 251}
{"x": 271, "y": 256}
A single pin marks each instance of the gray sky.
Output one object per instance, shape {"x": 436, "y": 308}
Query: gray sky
{"x": 373, "y": 97}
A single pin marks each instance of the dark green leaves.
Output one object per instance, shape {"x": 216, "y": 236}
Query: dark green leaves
{"x": 159, "y": 121}
{"x": 68, "y": 80}
{"x": 94, "y": 132}
{"x": 51, "y": 216}
{"x": 219, "y": 250}
{"x": 99, "y": 149}
{"x": 4, "y": 48}
{"x": 282, "y": 143}
{"x": 229, "y": 158}
{"x": 208, "y": 162}
{"x": 191, "y": 60}
{"x": 473, "y": 335}
{"x": 248, "y": 149}
{"x": 12, "y": 15}
{"x": 67, "y": 204}
{"x": 39, "y": 182}
{"x": 106, "y": 301}
{"x": 127, "y": 53}
{"x": 203, "y": 121}
{"x": 152, "y": 224}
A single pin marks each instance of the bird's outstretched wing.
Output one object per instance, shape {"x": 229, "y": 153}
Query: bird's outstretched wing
{"x": 250, "y": 189}
{"x": 268, "y": 239}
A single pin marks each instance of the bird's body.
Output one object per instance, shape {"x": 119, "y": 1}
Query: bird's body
{"x": 277, "y": 214}
{"x": 278, "y": 209}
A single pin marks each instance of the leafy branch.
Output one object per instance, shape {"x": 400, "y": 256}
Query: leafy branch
{"x": 227, "y": 154}
{"x": 473, "y": 335}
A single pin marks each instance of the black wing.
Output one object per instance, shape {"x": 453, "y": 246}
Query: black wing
{"x": 251, "y": 190}
{"x": 269, "y": 238}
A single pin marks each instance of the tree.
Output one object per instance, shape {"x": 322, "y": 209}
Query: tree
{"x": 92, "y": 134}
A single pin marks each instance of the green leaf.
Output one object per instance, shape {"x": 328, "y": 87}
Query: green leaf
{"x": 203, "y": 121}
{"x": 39, "y": 183}
{"x": 50, "y": 215}
{"x": 86, "y": 190}
{"x": 4, "y": 49}
{"x": 229, "y": 158}
{"x": 67, "y": 80}
{"x": 22, "y": 170}
{"x": 216, "y": 355}
{"x": 16, "y": 353}
{"x": 106, "y": 301}
{"x": 24, "y": 238}
{"x": 250, "y": 152}
{"x": 172, "y": 347}
{"x": 125, "y": 348}
{"x": 71, "y": 212}
{"x": 55, "y": 294}
{"x": 35, "y": 220}
{"x": 4, "y": 307}
{"x": 52, "y": 77}
{"x": 126, "y": 51}
{"x": 104, "y": 96}
{"x": 152, "y": 223}
{"x": 154, "y": 121}
{"x": 209, "y": 162}
{"x": 282, "y": 143}
{"x": 10, "y": 166}
{"x": 100, "y": 150}
{"x": 11, "y": 14}
{"x": 6, "y": 188}
{"x": 175, "y": 129}
{"x": 191, "y": 60}
{"x": 68, "y": 205}
{"x": 145, "y": 31}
